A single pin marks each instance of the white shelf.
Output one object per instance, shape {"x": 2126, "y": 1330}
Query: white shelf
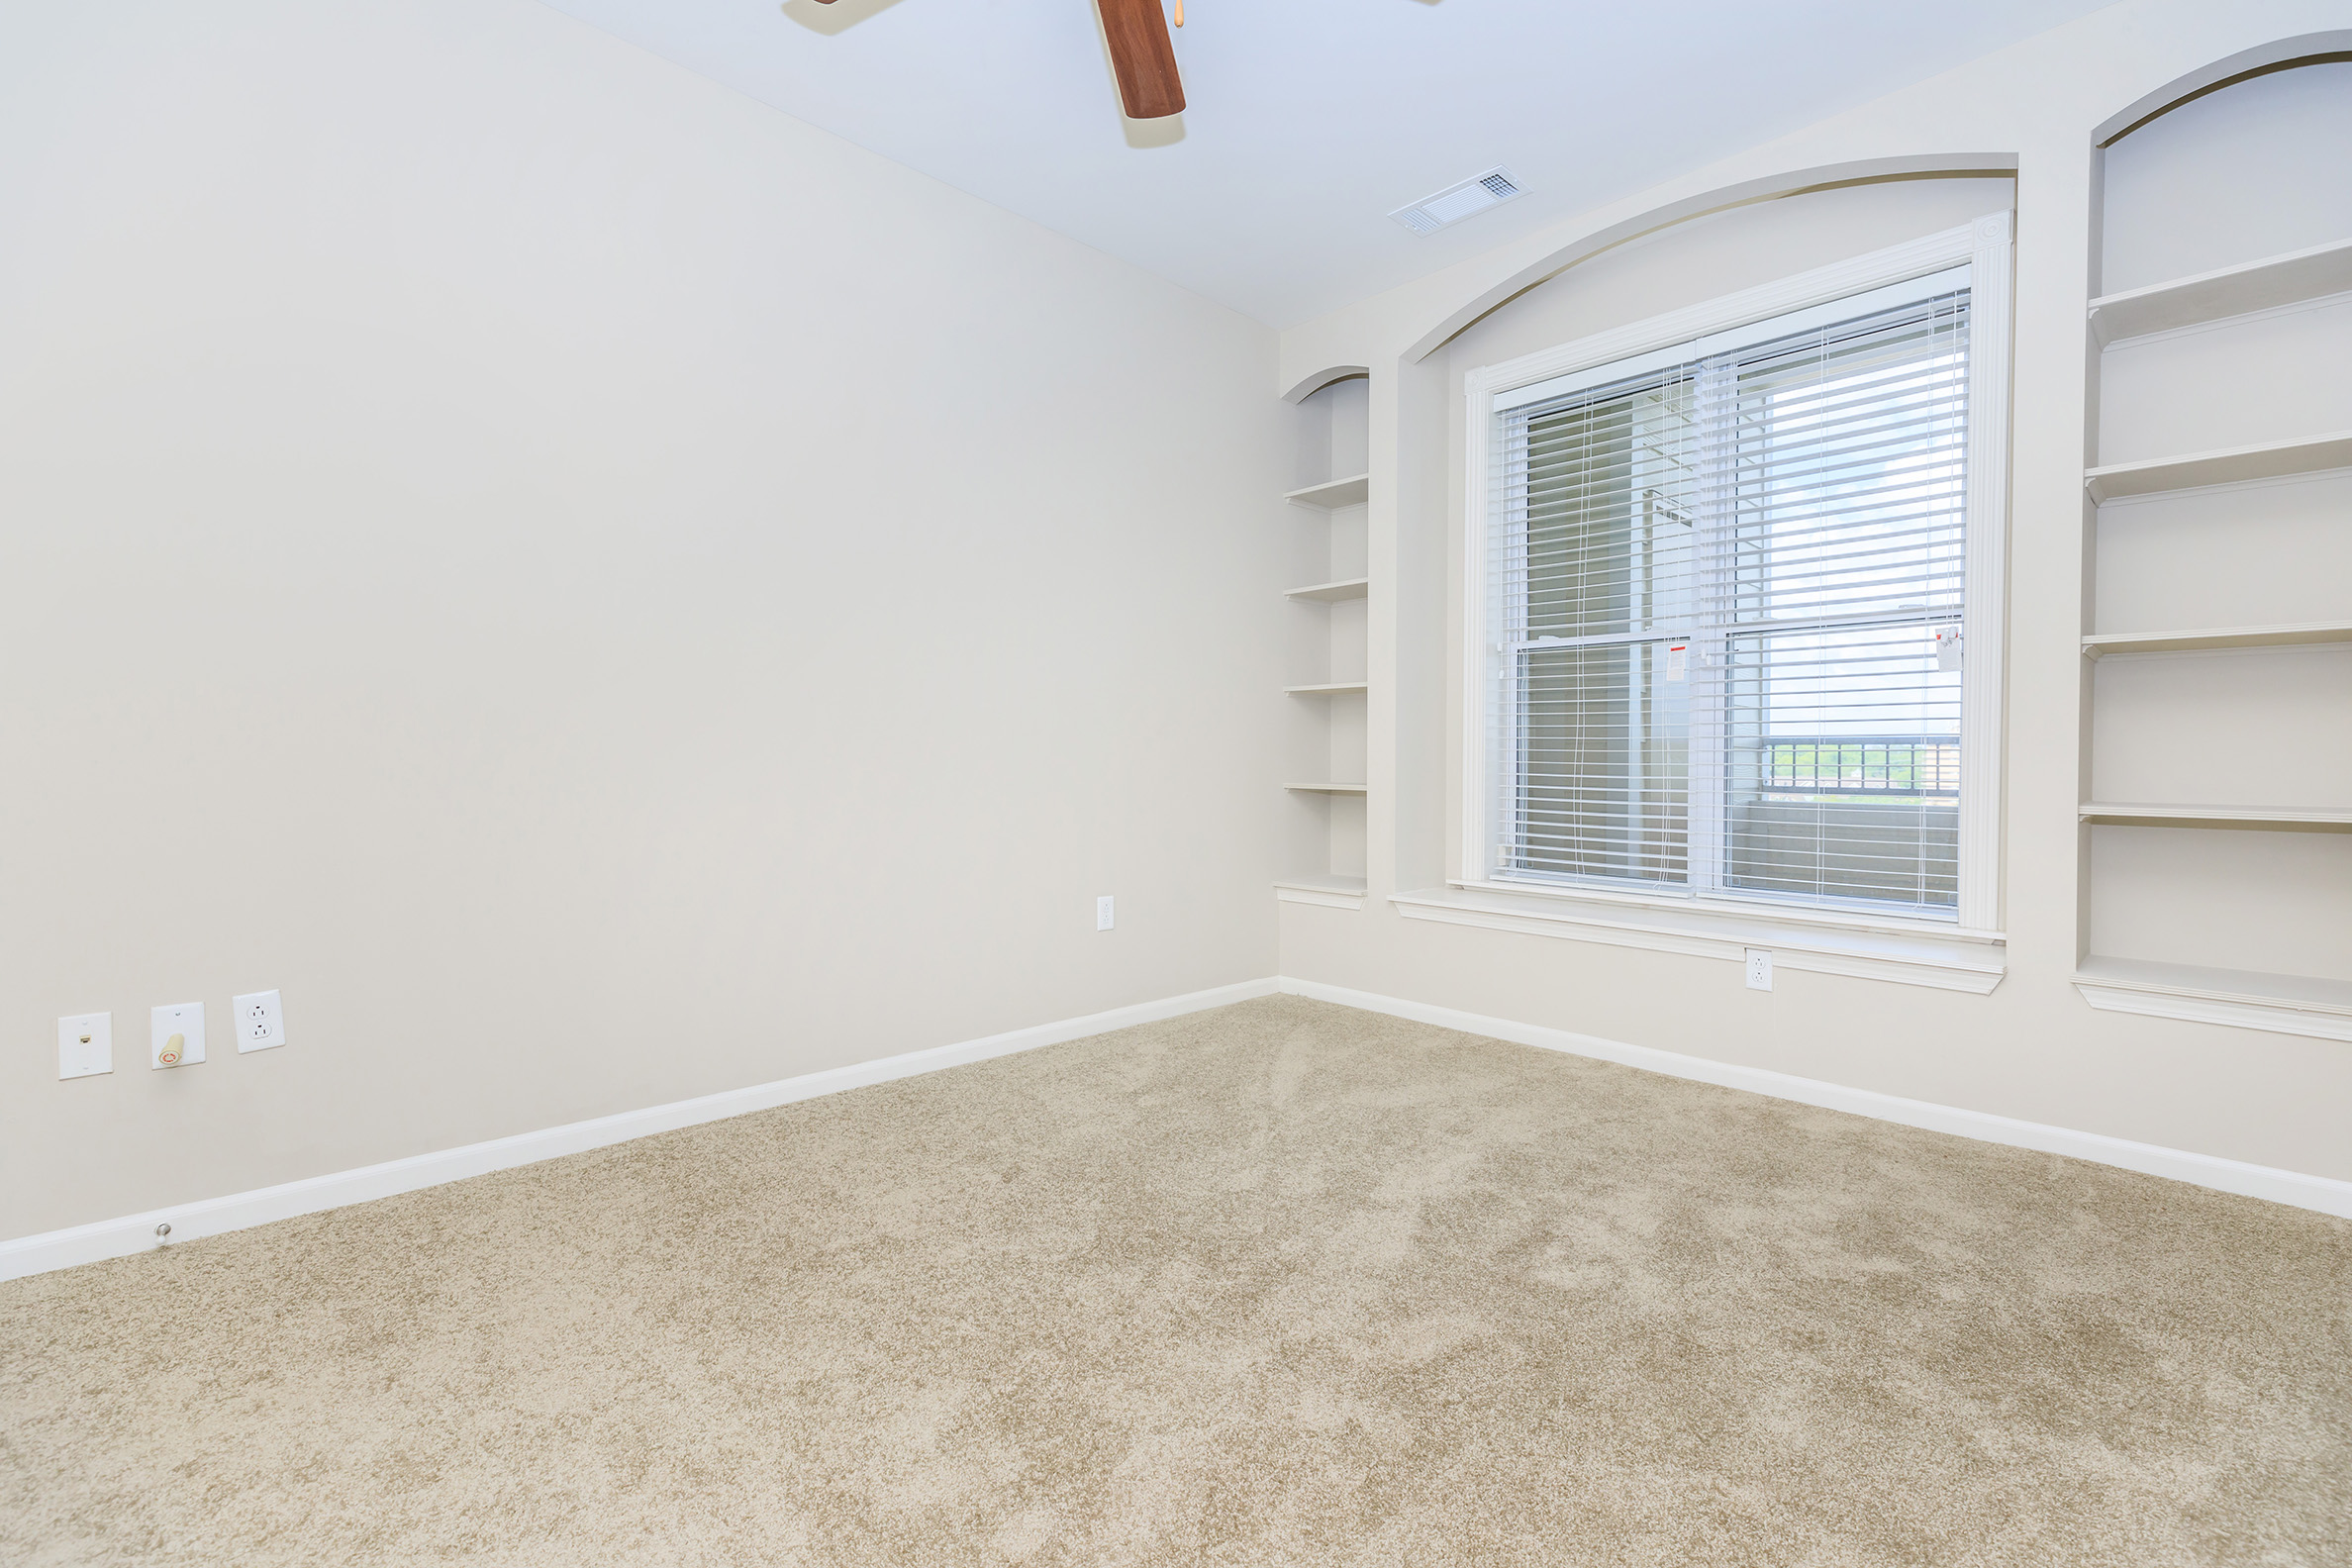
{"x": 1328, "y": 789}
{"x": 2245, "y": 998}
{"x": 2298, "y": 634}
{"x": 2231, "y": 465}
{"x": 1331, "y": 892}
{"x": 1330, "y": 592}
{"x": 2287, "y": 279}
{"x": 1329, "y": 689}
{"x": 2290, "y": 819}
{"x": 1334, "y": 494}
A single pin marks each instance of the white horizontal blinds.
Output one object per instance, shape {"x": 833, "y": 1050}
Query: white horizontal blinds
{"x": 1729, "y": 596}
{"x": 1597, "y": 572}
{"x": 1841, "y": 724}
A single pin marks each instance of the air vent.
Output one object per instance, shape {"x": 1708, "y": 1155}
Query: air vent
{"x": 1457, "y": 202}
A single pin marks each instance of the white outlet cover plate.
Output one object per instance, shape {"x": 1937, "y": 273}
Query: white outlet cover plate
{"x": 260, "y": 1021}
{"x": 77, "y": 1058}
{"x": 184, "y": 1019}
{"x": 1759, "y": 968}
{"x": 1103, "y": 913}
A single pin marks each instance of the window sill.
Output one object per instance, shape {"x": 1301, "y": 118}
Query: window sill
{"x": 1946, "y": 961}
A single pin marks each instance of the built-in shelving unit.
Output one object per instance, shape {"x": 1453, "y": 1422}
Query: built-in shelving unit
{"x": 2290, "y": 819}
{"x": 1324, "y": 537}
{"x": 2267, "y": 284}
{"x": 2226, "y": 465}
{"x": 2298, "y": 634}
{"x": 2194, "y": 910}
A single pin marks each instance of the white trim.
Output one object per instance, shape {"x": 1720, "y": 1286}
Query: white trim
{"x": 2326, "y": 1194}
{"x": 1985, "y": 246}
{"x": 1985, "y": 624}
{"x": 2229, "y": 323}
{"x": 1329, "y": 892}
{"x": 1320, "y": 898}
{"x": 2317, "y": 476}
{"x": 1914, "y": 259}
{"x": 1849, "y": 306}
{"x": 1478, "y": 826}
{"x": 1943, "y": 963}
{"x": 2277, "y": 1004}
{"x": 133, "y": 1233}
{"x": 1759, "y": 910}
{"x": 2273, "y": 1018}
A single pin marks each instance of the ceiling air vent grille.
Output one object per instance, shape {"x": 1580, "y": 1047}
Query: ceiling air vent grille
{"x": 1457, "y": 202}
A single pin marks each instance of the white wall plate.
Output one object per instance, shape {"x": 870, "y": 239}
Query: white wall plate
{"x": 260, "y": 1021}
{"x": 178, "y": 1035}
{"x": 85, "y": 1044}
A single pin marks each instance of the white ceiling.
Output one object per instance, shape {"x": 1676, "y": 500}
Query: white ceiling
{"x": 1309, "y": 120}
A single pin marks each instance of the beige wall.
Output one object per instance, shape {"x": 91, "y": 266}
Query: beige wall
{"x": 598, "y": 591}
{"x": 2033, "y": 1049}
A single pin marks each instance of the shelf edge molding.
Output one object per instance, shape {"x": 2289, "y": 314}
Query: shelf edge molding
{"x": 1329, "y": 789}
{"x": 1327, "y": 892}
{"x": 1332, "y": 689}
{"x": 1333, "y": 494}
{"x": 2276, "y": 818}
{"x": 2239, "y": 997}
{"x": 2228, "y": 465}
{"x": 1332, "y": 592}
{"x": 2295, "y": 634}
{"x": 2313, "y": 272}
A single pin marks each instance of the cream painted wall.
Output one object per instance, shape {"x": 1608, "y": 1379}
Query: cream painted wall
{"x": 598, "y": 591}
{"x": 2033, "y": 1049}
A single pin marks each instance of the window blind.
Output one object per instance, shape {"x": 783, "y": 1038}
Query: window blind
{"x": 1726, "y": 598}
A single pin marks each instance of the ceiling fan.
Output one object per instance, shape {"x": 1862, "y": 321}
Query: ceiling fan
{"x": 1141, "y": 56}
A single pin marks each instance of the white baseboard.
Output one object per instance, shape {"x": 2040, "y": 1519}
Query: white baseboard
{"x": 107, "y": 1238}
{"x": 2326, "y": 1194}
{"x": 56, "y": 1250}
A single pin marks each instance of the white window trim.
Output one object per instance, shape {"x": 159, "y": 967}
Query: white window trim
{"x": 1904, "y": 953}
{"x": 1985, "y": 246}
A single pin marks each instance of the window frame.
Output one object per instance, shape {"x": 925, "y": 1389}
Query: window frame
{"x": 1984, "y": 246}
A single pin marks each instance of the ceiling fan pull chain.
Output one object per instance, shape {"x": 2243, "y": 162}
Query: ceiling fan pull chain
{"x": 1180, "y": 13}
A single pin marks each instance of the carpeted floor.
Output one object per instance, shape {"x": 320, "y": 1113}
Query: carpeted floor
{"x": 1282, "y": 1283}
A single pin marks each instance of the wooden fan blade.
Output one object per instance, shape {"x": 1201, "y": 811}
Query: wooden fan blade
{"x": 1138, "y": 33}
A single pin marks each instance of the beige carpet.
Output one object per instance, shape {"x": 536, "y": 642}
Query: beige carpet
{"x": 1282, "y": 1283}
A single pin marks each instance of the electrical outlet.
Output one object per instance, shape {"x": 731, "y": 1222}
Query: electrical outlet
{"x": 1759, "y": 968}
{"x": 179, "y": 1034}
{"x": 85, "y": 1044}
{"x": 260, "y": 1021}
{"x": 1103, "y": 913}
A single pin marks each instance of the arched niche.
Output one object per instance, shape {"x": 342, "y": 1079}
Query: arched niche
{"x": 1310, "y": 385}
{"x": 2225, "y": 166}
{"x": 2302, "y": 48}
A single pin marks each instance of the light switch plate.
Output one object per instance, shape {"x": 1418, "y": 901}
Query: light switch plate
{"x": 260, "y": 1021}
{"x": 182, "y": 1022}
{"x": 85, "y": 1044}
